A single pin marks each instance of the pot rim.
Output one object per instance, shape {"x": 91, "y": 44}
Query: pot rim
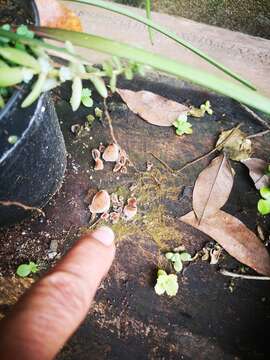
{"x": 16, "y": 94}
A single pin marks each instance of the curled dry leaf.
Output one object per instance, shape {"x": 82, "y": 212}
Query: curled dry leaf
{"x": 101, "y": 202}
{"x": 237, "y": 147}
{"x": 212, "y": 188}
{"x": 257, "y": 172}
{"x": 235, "y": 238}
{"x": 111, "y": 153}
{"x": 151, "y": 107}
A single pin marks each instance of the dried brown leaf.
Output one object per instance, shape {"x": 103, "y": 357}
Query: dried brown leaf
{"x": 151, "y": 107}
{"x": 257, "y": 169}
{"x": 235, "y": 238}
{"x": 237, "y": 147}
{"x": 212, "y": 188}
{"x": 54, "y": 14}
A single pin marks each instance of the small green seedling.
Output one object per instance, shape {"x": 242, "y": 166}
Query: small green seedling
{"x": 177, "y": 259}
{"x": 206, "y": 107}
{"x": 166, "y": 283}
{"x": 200, "y": 112}
{"x": 267, "y": 171}
{"x": 24, "y": 270}
{"x": 182, "y": 125}
{"x": 264, "y": 204}
{"x": 87, "y": 101}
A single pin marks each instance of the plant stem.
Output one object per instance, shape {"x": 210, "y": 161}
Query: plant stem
{"x": 109, "y": 119}
{"x": 23, "y": 206}
{"x": 242, "y": 276}
{"x": 256, "y": 116}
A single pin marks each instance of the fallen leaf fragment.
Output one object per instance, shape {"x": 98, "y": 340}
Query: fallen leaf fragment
{"x": 257, "y": 172}
{"x": 235, "y": 238}
{"x": 212, "y": 188}
{"x": 151, "y": 107}
{"x": 237, "y": 147}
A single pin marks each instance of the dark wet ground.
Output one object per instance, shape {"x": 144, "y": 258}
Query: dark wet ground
{"x": 129, "y": 321}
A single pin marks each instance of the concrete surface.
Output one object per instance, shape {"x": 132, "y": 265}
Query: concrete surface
{"x": 247, "y": 55}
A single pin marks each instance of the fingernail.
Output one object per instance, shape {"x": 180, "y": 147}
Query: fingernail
{"x": 104, "y": 234}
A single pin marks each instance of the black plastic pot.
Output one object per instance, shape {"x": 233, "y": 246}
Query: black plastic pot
{"x": 32, "y": 169}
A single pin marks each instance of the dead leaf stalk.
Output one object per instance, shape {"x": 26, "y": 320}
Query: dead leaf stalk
{"x": 23, "y": 206}
{"x": 242, "y": 276}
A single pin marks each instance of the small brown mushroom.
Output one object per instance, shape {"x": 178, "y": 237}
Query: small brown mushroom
{"x": 111, "y": 153}
{"x": 99, "y": 165}
{"x": 98, "y": 162}
{"x": 101, "y": 202}
{"x": 130, "y": 210}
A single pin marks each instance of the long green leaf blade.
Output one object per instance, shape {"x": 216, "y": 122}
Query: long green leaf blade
{"x": 104, "y": 45}
{"x": 148, "y": 15}
{"x": 120, "y": 10}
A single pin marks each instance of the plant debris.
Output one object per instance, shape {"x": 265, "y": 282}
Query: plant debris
{"x": 237, "y": 147}
{"x": 212, "y": 188}
{"x": 258, "y": 171}
{"x": 235, "y": 238}
{"x": 151, "y": 107}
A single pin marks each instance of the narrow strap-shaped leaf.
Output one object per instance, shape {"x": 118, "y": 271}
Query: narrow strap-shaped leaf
{"x": 19, "y": 57}
{"x": 176, "y": 68}
{"x": 148, "y": 15}
{"x": 126, "y": 12}
{"x": 53, "y": 49}
{"x": 36, "y": 90}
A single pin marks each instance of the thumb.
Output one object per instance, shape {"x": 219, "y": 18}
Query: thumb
{"x": 48, "y": 314}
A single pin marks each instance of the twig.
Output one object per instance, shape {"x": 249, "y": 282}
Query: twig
{"x": 23, "y": 206}
{"x": 163, "y": 163}
{"x": 108, "y": 117}
{"x": 242, "y": 276}
{"x": 261, "y": 133}
{"x": 256, "y": 116}
{"x": 216, "y": 148}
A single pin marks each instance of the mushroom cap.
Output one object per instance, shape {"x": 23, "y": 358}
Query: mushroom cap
{"x": 99, "y": 165}
{"x": 129, "y": 211}
{"x": 111, "y": 153}
{"x": 101, "y": 202}
{"x": 95, "y": 154}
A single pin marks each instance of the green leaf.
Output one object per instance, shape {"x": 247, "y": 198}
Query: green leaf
{"x": 265, "y": 192}
{"x": 123, "y": 11}
{"x": 99, "y": 85}
{"x": 264, "y": 207}
{"x": 24, "y": 31}
{"x": 34, "y": 267}
{"x": 178, "y": 266}
{"x": 185, "y": 256}
{"x": 171, "y": 286}
{"x": 98, "y": 112}
{"x": 36, "y": 90}
{"x": 169, "y": 255}
{"x": 23, "y": 270}
{"x": 87, "y": 101}
{"x": 2, "y": 102}
{"x": 11, "y": 76}
{"x": 12, "y": 139}
{"x": 166, "y": 283}
{"x": 19, "y": 57}
{"x": 76, "y": 96}
{"x": 161, "y": 63}
{"x": 182, "y": 126}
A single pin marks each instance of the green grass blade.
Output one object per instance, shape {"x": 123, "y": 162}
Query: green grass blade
{"x": 148, "y": 15}
{"x": 123, "y": 11}
{"x": 104, "y": 45}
